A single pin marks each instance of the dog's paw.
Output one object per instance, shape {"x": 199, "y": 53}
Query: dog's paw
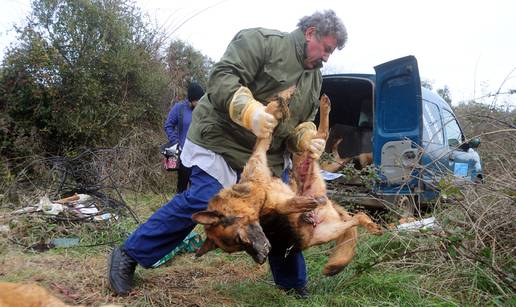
{"x": 332, "y": 270}
{"x": 374, "y": 228}
{"x": 303, "y": 203}
{"x": 325, "y": 104}
{"x": 316, "y": 201}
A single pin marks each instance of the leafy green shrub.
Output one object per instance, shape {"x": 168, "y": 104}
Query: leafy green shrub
{"x": 82, "y": 73}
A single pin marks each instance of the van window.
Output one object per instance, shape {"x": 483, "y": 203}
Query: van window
{"x": 432, "y": 126}
{"x": 452, "y": 129}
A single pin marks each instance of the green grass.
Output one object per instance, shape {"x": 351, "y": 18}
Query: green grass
{"x": 377, "y": 276}
{"x": 355, "y": 286}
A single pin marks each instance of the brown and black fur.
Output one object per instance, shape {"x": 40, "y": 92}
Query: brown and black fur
{"x": 336, "y": 163}
{"x": 292, "y": 217}
{"x": 27, "y": 295}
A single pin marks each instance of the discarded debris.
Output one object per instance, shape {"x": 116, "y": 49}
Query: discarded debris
{"x": 64, "y": 242}
{"x": 52, "y": 208}
{"x": 82, "y": 206}
{"x": 75, "y": 197}
{"x": 424, "y": 224}
{"x": 328, "y": 176}
{"x": 105, "y": 217}
{"x": 4, "y": 229}
{"x": 40, "y": 247}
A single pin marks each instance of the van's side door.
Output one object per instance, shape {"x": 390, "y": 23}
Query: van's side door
{"x": 398, "y": 120}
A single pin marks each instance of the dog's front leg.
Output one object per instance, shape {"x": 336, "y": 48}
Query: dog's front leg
{"x": 284, "y": 201}
{"x": 300, "y": 204}
{"x": 330, "y": 230}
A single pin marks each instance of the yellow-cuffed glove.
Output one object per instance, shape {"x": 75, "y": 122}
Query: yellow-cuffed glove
{"x": 250, "y": 113}
{"x": 304, "y": 137}
{"x": 316, "y": 148}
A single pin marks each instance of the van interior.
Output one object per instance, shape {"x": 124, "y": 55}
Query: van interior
{"x": 351, "y": 117}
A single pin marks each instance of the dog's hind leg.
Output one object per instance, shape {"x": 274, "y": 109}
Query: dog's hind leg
{"x": 335, "y": 226}
{"x": 345, "y": 244}
{"x": 366, "y": 222}
{"x": 310, "y": 181}
{"x": 343, "y": 252}
{"x": 331, "y": 230}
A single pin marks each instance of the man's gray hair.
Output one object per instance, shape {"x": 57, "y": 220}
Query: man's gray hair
{"x": 326, "y": 23}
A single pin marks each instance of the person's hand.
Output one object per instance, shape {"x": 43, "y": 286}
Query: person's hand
{"x": 316, "y": 148}
{"x": 250, "y": 113}
{"x": 262, "y": 123}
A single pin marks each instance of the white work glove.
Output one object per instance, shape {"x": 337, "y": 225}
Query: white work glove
{"x": 304, "y": 139}
{"x": 262, "y": 123}
{"x": 316, "y": 148}
{"x": 250, "y": 113}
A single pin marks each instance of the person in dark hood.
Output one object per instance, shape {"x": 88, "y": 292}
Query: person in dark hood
{"x": 176, "y": 128}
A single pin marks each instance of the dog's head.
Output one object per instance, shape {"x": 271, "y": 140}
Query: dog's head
{"x": 232, "y": 224}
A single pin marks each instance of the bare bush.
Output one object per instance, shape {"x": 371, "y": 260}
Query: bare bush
{"x": 133, "y": 166}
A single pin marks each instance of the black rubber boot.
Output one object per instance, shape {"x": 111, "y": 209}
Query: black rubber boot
{"x": 121, "y": 269}
{"x": 301, "y": 293}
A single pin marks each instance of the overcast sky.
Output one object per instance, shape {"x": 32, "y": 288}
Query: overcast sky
{"x": 468, "y": 45}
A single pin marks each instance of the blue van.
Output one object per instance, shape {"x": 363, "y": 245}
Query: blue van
{"x": 412, "y": 133}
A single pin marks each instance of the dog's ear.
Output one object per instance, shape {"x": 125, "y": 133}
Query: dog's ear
{"x": 207, "y": 217}
{"x": 206, "y": 246}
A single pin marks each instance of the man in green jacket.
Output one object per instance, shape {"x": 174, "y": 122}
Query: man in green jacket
{"x": 257, "y": 64}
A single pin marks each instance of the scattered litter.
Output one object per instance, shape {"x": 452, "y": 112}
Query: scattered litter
{"x": 65, "y": 242}
{"x": 84, "y": 198}
{"x": 424, "y": 224}
{"x": 76, "y": 198}
{"x": 105, "y": 217}
{"x": 328, "y": 176}
{"x": 26, "y": 210}
{"x": 49, "y": 207}
{"x": 40, "y": 247}
{"x": 44, "y": 205}
{"x": 4, "y": 229}
{"x": 65, "y": 200}
{"x": 83, "y": 209}
{"x": 52, "y": 208}
{"x": 80, "y": 205}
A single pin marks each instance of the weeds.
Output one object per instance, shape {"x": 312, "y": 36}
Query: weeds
{"x": 467, "y": 260}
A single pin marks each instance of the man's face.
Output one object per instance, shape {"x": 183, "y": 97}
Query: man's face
{"x": 318, "y": 50}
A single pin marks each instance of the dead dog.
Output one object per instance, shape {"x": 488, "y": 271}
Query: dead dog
{"x": 27, "y": 295}
{"x": 336, "y": 163}
{"x": 261, "y": 207}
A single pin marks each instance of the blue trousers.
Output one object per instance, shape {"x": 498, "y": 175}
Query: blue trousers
{"x": 168, "y": 226}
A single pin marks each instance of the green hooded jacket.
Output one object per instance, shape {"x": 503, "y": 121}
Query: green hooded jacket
{"x": 267, "y": 62}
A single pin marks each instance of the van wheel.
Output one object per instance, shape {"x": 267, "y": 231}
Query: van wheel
{"x": 405, "y": 206}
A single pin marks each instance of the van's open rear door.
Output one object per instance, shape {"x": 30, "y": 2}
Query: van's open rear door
{"x": 397, "y": 113}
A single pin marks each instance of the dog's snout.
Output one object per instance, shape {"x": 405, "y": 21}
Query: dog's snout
{"x": 260, "y": 245}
